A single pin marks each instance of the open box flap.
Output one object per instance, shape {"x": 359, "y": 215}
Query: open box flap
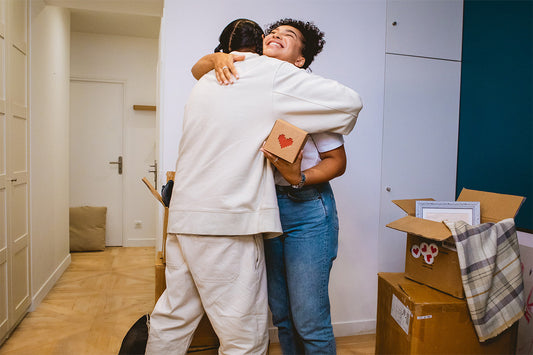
{"x": 422, "y": 294}
{"x": 416, "y": 292}
{"x": 409, "y": 205}
{"x": 494, "y": 207}
{"x": 421, "y": 227}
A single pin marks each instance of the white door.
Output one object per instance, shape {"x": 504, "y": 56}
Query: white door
{"x": 4, "y": 183}
{"x": 14, "y": 166}
{"x": 420, "y": 135}
{"x": 96, "y": 147}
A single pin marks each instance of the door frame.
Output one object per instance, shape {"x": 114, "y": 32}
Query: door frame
{"x": 124, "y": 136}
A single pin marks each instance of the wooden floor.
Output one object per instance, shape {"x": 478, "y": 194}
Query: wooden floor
{"x": 95, "y": 302}
{"x": 353, "y": 345}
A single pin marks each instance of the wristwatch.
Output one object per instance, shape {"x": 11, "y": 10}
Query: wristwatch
{"x": 300, "y": 184}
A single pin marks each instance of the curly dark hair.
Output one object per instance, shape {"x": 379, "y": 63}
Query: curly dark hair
{"x": 313, "y": 38}
{"x": 239, "y": 34}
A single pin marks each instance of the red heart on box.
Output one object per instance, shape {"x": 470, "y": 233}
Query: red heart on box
{"x": 415, "y": 251}
{"x": 424, "y": 247}
{"x": 429, "y": 259}
{"x": 284, "y": 142}
{"x": 434, "y": 249}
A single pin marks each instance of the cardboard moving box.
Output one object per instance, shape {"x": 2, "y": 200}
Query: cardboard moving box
{"x": 285, "y": 141}
{"x": 415, "y": 319}
{"x": 441, "y": 268}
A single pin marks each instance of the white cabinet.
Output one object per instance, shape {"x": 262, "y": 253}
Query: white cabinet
{"x": 14, "y": 190}
{"x": 421, "y": 112}
{"x": 420, "y": 134}
{"x": 425, "y": 28}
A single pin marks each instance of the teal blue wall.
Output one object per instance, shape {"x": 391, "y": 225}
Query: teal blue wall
{"x": 496, "y": 115}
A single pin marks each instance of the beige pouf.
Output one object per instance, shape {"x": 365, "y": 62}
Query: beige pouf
{"x": 87, "y": 228}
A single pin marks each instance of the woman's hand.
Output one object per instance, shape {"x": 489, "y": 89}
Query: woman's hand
{"x": 291, "y": 172}
{"x": 224, "y": 67}
{"x": 222, "y": 63}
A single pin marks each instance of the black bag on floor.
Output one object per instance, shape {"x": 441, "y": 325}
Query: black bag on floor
{"x": 134, "y": 343}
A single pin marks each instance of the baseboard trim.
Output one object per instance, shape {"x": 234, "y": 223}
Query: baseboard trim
{"x": 148, "y": 242}
{"x": 345, "y": 329}
{"x": 39, "y": 296}
{"x": 340, "y": 329}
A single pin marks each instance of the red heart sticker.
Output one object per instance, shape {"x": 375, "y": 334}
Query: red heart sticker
{"x": 424, "y": 248}
{"x": 434, "y": 249}
{"x": 429, "y": 259}
{"x": 415, "y": 251}
{"x": 284, "y": 142}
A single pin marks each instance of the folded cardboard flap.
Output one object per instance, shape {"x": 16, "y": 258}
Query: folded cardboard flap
{"x": 494, "y": 207}
{"x": 409, "y": 205}
{"x": 421, "y": 227}
{"x": 422, "y": 294}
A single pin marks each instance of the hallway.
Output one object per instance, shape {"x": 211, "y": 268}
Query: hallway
{"x": 96, "y": 301}
{"x": 91, "y": 307}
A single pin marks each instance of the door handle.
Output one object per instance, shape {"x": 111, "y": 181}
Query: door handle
{"x": 155, "y": 172}
{"x": 119, "y": 163}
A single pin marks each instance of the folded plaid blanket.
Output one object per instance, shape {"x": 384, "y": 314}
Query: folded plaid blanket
{"x": 489, "y": 258}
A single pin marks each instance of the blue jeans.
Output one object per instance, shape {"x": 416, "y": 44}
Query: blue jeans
{"x": 298, "y": 268}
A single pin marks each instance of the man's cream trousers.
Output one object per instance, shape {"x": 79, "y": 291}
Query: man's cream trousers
{"x": 225, "y": 275}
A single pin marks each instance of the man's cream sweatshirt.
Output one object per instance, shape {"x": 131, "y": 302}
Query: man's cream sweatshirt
{"x": 223, "y": 184}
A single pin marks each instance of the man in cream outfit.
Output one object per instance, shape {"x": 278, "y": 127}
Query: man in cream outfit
{"x": 224, "y": 200}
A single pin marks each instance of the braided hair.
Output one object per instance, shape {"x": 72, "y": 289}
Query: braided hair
{"x": 241, "y": 34}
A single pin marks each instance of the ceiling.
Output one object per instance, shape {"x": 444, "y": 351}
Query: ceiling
{"x": 138, "y": 18}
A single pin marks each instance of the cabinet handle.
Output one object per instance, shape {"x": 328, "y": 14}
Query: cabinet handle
{"x": 388, "y": 188}
{"x": 394, "y": 23}
{"x": 13, "y": 180}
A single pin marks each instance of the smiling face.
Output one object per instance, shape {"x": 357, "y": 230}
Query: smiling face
{"x": 285, "y": 43}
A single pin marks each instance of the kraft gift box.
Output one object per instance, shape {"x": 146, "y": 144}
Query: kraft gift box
{"x": 285, "y": 141}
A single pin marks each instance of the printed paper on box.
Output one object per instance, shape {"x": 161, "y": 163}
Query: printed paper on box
{"x": 400, "y": 313}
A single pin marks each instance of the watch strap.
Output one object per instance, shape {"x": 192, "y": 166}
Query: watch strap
{"x": 300, "y": 184}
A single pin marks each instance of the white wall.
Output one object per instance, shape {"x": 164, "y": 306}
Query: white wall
{"x": 354, "y": 55}
{"x": 49, "y": 145}
{"x": 132, "y": 60}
